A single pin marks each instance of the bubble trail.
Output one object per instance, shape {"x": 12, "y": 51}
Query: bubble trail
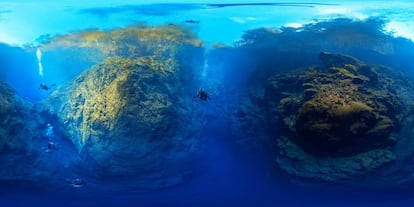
{"x": 39, "y": 61}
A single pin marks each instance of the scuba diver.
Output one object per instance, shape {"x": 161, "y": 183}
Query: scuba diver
{"x": 51, "y": 146}
{"x": 77, "y": 183}
{"x": 202, "y": 94}
{"x": 192, "y": 21}
{"x": 45, "y": 87}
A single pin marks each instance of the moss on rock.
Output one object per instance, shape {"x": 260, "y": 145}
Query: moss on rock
{"x": 129, "y": 117}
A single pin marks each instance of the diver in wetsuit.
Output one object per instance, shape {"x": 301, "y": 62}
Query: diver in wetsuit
{"x": 45, "y": 87}
{"x": 192, "y": 21}
{"x": 202, "y": 94}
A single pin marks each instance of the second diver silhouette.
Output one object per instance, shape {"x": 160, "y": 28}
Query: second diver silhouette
{"x": 192, "y": 21}
{"x": 202, "y": 94}
{"x": 45, "y": 87}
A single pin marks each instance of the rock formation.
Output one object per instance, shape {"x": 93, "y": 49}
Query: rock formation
{"x": 339, "y": 120}
{"x": 12, "y": 112}
{"x": 127, "y": 117}
{"x": 18, "y": 132}
{"x": 130, "y": 118}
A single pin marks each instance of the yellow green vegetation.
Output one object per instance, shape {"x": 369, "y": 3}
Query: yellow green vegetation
{"x": 167, "y": 33}
{"x": 353, "y": 107}
{"x": 342, "y": 71}
{"x": 92, "y": 36}
{"x": 138, "y": 39}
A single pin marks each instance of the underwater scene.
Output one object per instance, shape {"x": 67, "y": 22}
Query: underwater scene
{"x": 206, "y": 103}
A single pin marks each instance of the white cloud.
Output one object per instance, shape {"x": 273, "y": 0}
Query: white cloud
{"x": 294, "y": 25}
{"x": 348, "y": 11}
{"x": 242, "y": 20}
{"x": 238, "y": 20}
{"x": 401, "y": 29}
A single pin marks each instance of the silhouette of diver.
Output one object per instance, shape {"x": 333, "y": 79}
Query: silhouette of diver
{"x": 77, "y": 183}
{"x": 51, "y": 146}
{"x": 45, "y": 87}
{"x": 202, "y": 94}
{"x": 192, "y": 21}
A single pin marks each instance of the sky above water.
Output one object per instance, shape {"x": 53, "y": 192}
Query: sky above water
{"x": 24, "y": 21}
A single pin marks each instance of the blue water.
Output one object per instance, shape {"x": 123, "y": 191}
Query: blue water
{"x": 226, "y": 174}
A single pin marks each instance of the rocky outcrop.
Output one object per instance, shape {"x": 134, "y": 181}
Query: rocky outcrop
{"x": 127, "y": 117}
{"x": 13, "y": 112}
{"x": 295, "y": 161}
{"x": 348, "y": 105}
{"x": 17, "y": 134}
{"x": 339, "y": 120}
{"x": 130, "y": 118}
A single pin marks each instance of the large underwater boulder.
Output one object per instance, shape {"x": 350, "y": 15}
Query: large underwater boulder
{"x": 349, "y": 105}
{"x": 128, "y": 117}
{"x": 339, "y": 121}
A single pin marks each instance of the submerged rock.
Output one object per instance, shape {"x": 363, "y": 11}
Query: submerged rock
{"x": 331, "y": 114}
{"x": 129, "y": 117}
{"x": 295, "y": 161}
{"x": 31, "y": 146}
{"x": 338, "y": 121}
{"x": 17, "y": 137}
{"x": 12, "y": 112}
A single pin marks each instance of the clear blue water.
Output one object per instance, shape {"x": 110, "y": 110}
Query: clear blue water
{"x": 225, "y": 174}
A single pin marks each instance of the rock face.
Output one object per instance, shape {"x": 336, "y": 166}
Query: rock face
{"x": 129, "y": 117}
{"x": 17, "y": 134}
{"x": 339, "y": 120}
{"x": 12, "y": 112}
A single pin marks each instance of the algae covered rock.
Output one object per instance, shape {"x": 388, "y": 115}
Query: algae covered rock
{"x": 330, "y": 113}
{"x": 128, "y": 116}
{"x": 12, "y": 113}
{"x": 339, "y": 120}
{"x": 19, "y": 143}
